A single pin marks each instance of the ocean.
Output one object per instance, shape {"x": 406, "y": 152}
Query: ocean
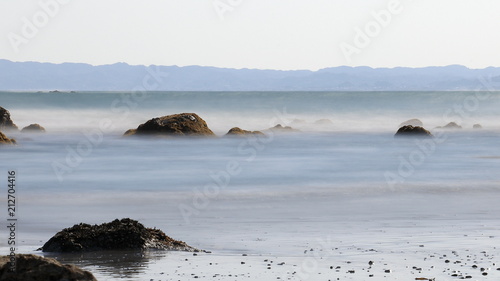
{"x": 341, "y": 175}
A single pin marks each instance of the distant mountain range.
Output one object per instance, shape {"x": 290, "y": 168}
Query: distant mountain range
{"x": 35, "y": 76}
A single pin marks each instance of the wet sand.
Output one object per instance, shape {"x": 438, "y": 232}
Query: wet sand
{"x": 390, "y": 235}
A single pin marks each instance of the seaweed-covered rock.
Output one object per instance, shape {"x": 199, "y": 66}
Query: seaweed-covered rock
{"x": 33, "y": 128}
{"x": 413, "y": 122}
{"x": 5, "y": 122}
{"x": 239, "y": 132}
{"x": 6, "y": 140}
{"x": 37, "y": 268}
{"x": 124, "y": 234}
{"x": 412, "y": 131}
{"x": 183, "y": 124}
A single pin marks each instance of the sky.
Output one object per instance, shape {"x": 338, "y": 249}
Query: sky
{"x": 262, "y": 34}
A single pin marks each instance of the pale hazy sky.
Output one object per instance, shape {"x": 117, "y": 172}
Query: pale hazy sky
{"x": 271, "y": 34}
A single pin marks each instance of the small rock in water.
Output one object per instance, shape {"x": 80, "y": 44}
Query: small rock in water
{"x": 412, "y": 131}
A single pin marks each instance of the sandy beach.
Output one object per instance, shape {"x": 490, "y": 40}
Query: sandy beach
{"x": 390, "y": 235}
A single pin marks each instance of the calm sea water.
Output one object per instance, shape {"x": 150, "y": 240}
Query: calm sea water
{"x": 82, "y": 169}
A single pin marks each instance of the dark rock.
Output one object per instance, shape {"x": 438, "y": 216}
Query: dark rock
{"x": 477, "y": 126}
{"x": 412, "y": 131}
{"x": 124, "y": 234}
{"x": 5, "y": 121}
{"x": 450, "y": 126}
{"x": 323, "y": 122}
{"x": 239, "y": 132}
{"x": 183, "y": 124}
{"x": 412, "y": 122}
{"x": 33, "y": 128}
{"x": 37, "y": 268}
{"x": 5, "y": 140}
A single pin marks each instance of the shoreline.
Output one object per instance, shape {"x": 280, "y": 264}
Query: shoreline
{"x": 395, "y": 232}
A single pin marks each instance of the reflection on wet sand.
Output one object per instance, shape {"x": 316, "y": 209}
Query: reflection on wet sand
{"x": 118, "y": 264}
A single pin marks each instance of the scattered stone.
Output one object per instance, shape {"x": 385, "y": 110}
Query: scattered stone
{"x": 5, "y": 140}
{"x": 412, "y": 122}
{"x": 33, "y": 128}
{"x": 124, "y": 234}
{"x": 412, "y": 131}
{"x": 37, "y": 268}
{"x": 5, "y": 122}
{"x": 239, "y": 132}
{"x": 177, "y": 125}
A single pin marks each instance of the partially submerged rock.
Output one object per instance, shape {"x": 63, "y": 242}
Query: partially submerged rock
{"x": 37, "y": 268}
{"x": 413, "y": 122}
{"x": 124, "y": 234}
{"x": 450, "y": 126}
{"x": 5, "y": 122}
{"x": 240, "y": 132}
{"x": 33, "y": 128}
{"x": 412, "y": 131}
{"x": 6, "y": 140}
{"x": 130, "y": 132}
{"x": 183, "y": 124}
{"x": 477, "y": 126}
{"x": 298, "y": 121}
{"x": 323, "y": 122}
{"x": 280, "y": 129}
